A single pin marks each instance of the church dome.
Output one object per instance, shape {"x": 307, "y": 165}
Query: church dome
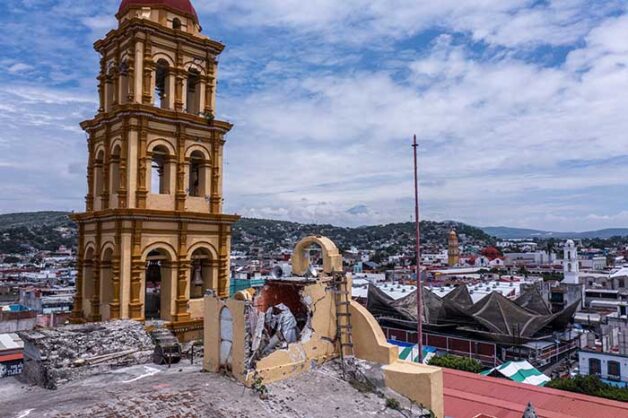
{"x": 179, "y": 6}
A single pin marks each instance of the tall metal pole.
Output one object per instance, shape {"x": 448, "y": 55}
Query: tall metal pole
{"x": 419, "y": 285}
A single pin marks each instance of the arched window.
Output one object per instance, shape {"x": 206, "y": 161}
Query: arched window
{"x": 162, "y": 84}
{"x": 115, "y": 173}
{"x": 194, "y": 92}
{"x": 158, "y": 296}
{"x": 202, "y": 275}
{"x": 176, "y": 24}
{"x": 197, "y": 175}
{"x": 160, "y": 171}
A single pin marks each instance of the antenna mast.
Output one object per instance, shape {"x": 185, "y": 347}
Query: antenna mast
{"x": 419, "y": 285}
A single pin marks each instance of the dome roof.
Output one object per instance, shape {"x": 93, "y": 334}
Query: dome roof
{"x": 182, "y": 6}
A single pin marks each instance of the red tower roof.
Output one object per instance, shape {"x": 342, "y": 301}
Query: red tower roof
{"x": 182, "y": 6}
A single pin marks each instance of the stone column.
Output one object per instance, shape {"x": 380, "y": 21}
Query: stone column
{"x": 77, "y": 308}
{"x": 183, "y": 276}
{"x": 180, "y": 195}
{"x": 209, "y": 93}
{"x": 123, "y": 164}
{"x": 142, "y": 167}
{"x": 89, "y": 199}
{"x": 95, "y": 301}
{"x": 223, "y": 266}
{"x": 147, "y": 91}
{"x": 115, "y": 76}
{"x": 178, "y": 91}
{"x": 114, "y": 306}
{"x": 101, "y": 84}
{"x": 183, "y": 280}
{"x": 138, "y": 272}
{"x": 216, "y": 198}
{"x": 106, "y": 171}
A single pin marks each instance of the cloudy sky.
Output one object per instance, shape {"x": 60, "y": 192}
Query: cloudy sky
{"x": 520, "y": 106}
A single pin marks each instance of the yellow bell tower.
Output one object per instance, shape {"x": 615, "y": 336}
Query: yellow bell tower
{"x": 453, "y": 251}
{"x": 153, "y": 238}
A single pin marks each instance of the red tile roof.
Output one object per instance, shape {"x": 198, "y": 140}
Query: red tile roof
{"x": 183, "y": 6}
{"x": 468, "y": 394}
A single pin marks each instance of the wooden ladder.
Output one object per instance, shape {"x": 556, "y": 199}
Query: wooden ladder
{"x": 343, "y": 317}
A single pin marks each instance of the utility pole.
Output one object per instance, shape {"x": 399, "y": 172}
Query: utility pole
{"x": 419, "y": 285}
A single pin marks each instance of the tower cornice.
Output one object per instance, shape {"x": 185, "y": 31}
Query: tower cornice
{"x": 133, "y": 27}
{"x": 157, "y": 114}
{"x": 153, "y": 215}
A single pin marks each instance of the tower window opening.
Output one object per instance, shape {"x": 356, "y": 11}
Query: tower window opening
{"x": 162, "y": 84}
{"x": 176, "y": 24}
{"x": 197, "y": 175}
{"x": 201, "y": 274}
{"x": 194, "y": 92}
{"x": 160, "y": 171}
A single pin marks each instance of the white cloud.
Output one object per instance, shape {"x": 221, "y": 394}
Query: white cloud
{"x": 497, "y": 136}
{"x": 19, "y": 67}
{"x": 500, "y": 22}
{"x": 327, "y": 94}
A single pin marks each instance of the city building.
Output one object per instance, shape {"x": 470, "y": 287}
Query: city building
{"x": 610, "y": 367}
{"x": 153, "y": 238}
{"x": 11, "y": 355}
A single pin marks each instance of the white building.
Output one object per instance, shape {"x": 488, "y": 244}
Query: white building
{"x": 608, "y": 366}
{"x": 571, "y": 266}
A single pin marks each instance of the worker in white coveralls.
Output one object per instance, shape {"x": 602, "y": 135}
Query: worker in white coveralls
{"x": 282, "y": 328}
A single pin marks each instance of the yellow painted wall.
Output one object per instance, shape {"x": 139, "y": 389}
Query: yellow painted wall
{"x": 417, "y": 382}
{"x": 369, "y": 341}
{"x": 211, "y": 337}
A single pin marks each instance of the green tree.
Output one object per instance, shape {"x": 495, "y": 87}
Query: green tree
{"x": 590, "y": 385}
{"x": 458, "y": 363}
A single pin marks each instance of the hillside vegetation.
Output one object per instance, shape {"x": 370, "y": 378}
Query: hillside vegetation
{"x": 22, "y": 233}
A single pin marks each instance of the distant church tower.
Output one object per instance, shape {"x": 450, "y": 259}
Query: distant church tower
{"x": 453, "y": 251}
{"x": 153, "y": 237}
{"x": 571, "y": 267}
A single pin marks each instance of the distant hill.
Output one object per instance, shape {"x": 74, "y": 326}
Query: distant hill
{"x": 29, "y": 219}
{"x": 393, "y": 238}
{"x": 25, "y": 232}
{"x": 503, "y": 232}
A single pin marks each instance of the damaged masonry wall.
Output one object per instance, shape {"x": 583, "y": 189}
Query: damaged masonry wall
{"x": 56, "y": 356}
{"x": 312, "y": 304}
{"x": 238, "y": 333}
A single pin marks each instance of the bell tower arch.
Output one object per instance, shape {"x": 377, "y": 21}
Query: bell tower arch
{"x": 155, "y": 169}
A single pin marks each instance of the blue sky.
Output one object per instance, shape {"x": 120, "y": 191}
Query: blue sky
{"x": 520, "y": 107}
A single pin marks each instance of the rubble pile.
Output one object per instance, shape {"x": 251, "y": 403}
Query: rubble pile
{"x": 59, "y": 355}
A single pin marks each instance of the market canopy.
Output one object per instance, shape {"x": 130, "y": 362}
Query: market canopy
{"x": 519, "y": 371}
